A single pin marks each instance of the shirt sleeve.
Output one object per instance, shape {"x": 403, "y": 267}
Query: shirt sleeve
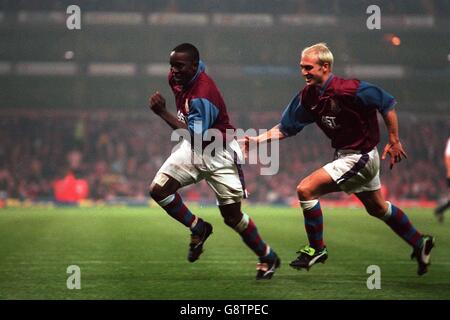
{"x": 372, "y": 96}
{"x": 202, "y": 115}
{"x": 295, "y": 117}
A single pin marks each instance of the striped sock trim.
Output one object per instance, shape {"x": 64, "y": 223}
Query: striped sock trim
{"x": 197, "y": 228}
{"x": 243, "y": 224}
{"x": 194, "y": 223}
{"x": 313, "y": 220}
{"x": 308, "y": 204}
{"x": 402, "y": 226}
{"x": 388, "y": 213}
{"x": 268, "y": 249}
{"x": 253, "y": 240}
{"x": 164, "y": 202}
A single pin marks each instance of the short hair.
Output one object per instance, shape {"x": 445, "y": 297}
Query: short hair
{"x": 323, "y": 52}
{"x": 189, "y": 49}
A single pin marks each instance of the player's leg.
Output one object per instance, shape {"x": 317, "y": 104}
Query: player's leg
{"x": 440, "y": 210}
{"x": 175, "y": 173}
{"x": 399, "y": 222}
{"x": 226, "y": 179}
{"x": 246, "y": 228}
{"x": 309, "y": 191}
{"x": 444, "y": 205}
{"x": 394, "y": 217}
{"x": 164, "y": 191}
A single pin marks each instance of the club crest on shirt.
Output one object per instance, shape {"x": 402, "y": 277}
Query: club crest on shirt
{"x": 334, "y": 107}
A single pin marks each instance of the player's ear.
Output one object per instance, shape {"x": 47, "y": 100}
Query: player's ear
{"x": 195, "y": 65}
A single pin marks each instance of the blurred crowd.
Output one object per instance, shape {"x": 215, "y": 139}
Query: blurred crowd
{"x": 118, "y": 155}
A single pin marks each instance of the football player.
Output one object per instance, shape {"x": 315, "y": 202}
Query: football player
{"x": 201, "y": 108}
{"x": 346, "y": 111}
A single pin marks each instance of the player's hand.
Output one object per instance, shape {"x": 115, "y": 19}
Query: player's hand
{"x": 157, "y": 103}
{"x": 395, "y": 151}
{"x": 246, "y": 143}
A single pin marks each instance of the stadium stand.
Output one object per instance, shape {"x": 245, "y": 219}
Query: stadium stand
{"x": 114, "y": 153}
{"x": 82, "y": 94}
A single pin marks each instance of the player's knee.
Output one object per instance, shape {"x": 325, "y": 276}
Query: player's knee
{"x": 155, "y": 192}
{"x": 231, "y": 221}
{"x": 303, "y": 192}
{"x": 376, "y": 210}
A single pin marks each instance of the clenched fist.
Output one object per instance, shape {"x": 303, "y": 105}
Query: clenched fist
{"x": 157, "y": 103}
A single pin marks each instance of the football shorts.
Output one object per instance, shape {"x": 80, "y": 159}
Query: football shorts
{"x": 355, "y": 172}
{"x": 220, "y": 170}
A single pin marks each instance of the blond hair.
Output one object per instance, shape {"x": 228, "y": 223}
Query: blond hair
{"x": 323, "y": 53}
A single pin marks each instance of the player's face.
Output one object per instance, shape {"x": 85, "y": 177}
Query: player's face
{"x": 312, "y": 71}
{"x": 182, "y": 66}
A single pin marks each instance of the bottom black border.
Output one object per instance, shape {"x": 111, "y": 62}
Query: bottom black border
{"x": 224, "y": 309}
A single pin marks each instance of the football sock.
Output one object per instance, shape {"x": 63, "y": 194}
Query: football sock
{"x": 313, "y": 223}
{"x": 175, "y": 207}
{"x": 399, "y": 222}
{"x": 249, "y": 233}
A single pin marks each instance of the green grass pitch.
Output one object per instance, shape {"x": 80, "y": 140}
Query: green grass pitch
{"x": 140, "y": 253}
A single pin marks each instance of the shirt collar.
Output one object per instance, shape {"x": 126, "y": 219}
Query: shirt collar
{"x": 200, "y": 69}
{"x": 325, "y": 85}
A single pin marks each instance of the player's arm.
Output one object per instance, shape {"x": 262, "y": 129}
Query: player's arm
{"x": 251, "y": 142}
{"x": 157, "y": 104}
{"x": 394, "y": 147}
{"x": 371, "y": 96}
{"x": 294, "y": 118}
{"x": 273, "y": 134}
{"x": 202, "y": 115}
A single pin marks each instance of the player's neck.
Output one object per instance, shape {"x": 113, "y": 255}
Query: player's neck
{"x": 325, "y": 80}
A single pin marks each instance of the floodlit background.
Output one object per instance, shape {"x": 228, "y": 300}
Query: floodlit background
{"x": 75, "y": 129}
{"x": 75, "y": 101}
